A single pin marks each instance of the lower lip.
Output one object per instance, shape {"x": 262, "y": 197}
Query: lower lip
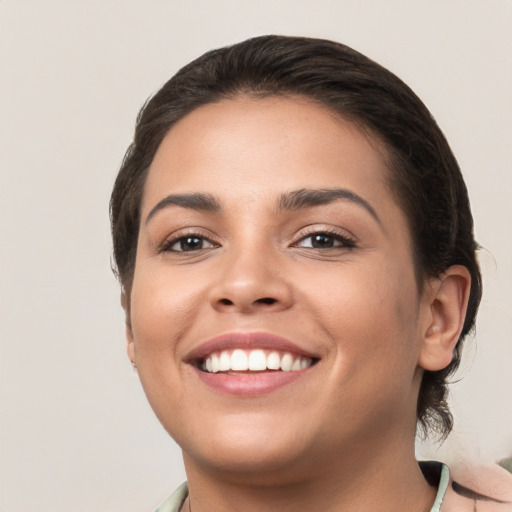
{"x": 249, "y": 384}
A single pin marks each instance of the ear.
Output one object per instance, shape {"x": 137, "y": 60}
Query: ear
{"x": 130, "y": 345}
{"x": 447, "y": 300}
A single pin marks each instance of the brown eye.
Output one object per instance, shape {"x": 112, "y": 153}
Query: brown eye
{"x": 322, "y": 241}
{"x": 189, "y": 244}
{"x": 325, "y": 241}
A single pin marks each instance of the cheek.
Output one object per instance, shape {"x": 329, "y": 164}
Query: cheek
{"x": 370, "y": 312}
{"x": 163, "y": 306}
{"x": 163, "y": 309}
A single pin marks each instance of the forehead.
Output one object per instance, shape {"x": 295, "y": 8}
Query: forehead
{"x": 265, "y": 144}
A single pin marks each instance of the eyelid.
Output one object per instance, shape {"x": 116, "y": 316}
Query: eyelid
{"x": 191, "y": 232}
{"x": 347, "y": 239}
{"x": 205, "y": 241}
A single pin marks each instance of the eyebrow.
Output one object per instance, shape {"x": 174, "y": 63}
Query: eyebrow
{"x": 293, "y": 200}
{"x": 196, "y": 201}
{"x": 307, "y": 198}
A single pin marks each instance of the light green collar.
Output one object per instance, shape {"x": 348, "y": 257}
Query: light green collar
{"x": 441, "y": 490}
{"x": 175, "y": 502}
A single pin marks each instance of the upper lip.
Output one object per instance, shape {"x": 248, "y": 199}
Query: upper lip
{"x": 247, "y": 340}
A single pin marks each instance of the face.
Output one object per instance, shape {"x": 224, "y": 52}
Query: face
{"x": 275, "y": 316}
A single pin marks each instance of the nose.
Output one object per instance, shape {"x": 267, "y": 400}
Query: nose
{"x": 251, "y": 282}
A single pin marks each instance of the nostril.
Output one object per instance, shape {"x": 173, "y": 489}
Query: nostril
{"x": 266, "y": 300}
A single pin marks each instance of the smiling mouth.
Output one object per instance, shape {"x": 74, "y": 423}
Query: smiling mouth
{"x": 253, "y": 360}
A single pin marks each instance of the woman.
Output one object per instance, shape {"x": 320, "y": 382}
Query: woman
{"x": 295, "y": 247}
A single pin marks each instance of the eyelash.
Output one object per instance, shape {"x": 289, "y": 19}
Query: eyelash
{"x": 344, "y": 241}
{"x": 181, "y": 237}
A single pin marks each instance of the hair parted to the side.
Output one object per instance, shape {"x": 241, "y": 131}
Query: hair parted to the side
{"x": 424, "y": 174}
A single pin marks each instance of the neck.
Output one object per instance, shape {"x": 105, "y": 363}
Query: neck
{"x": 360, "y": 480}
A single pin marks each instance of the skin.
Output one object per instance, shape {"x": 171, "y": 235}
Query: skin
{"x": 342, "y": 435}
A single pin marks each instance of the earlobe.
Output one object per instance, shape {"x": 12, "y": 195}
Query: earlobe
{"x": 130, "y": 345}
{"x": 447, "y": 301}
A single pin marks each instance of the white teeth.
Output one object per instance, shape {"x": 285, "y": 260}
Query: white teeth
{"x": 287, "y": 363}
{"x": 254, "y": 360}
{"x": 273, "y": 361}
{"x": 296, "y": 365}
{"x": 215, "y": 363}
{"x": 224, "y": 361}
{"x": 239, "y": 360}
{"x": 257, "y": 360}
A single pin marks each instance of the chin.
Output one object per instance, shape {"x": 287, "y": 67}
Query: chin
{"x": 247, "y": 450}
{"x": 253, "y": 465}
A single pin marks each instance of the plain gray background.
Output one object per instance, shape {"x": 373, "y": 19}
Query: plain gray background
{"x": 75, "y": 430}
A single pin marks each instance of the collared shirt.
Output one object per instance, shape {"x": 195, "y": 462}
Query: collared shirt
{"x": 451, "y": 496}
{"x": 175, "y": 501}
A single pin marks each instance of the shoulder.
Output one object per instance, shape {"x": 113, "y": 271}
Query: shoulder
{"x": 480, "y": 488}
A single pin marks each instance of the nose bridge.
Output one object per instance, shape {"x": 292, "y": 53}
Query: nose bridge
{"x": 250, "y": 279}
